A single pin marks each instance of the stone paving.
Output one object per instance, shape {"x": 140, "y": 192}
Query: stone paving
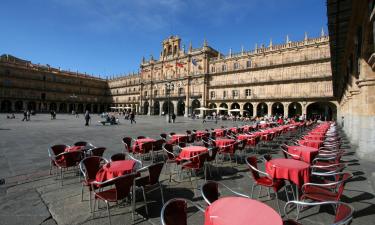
{"x": 31, "y": 196}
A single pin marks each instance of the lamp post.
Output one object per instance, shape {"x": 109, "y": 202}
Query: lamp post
{"x": 169, "y": 87}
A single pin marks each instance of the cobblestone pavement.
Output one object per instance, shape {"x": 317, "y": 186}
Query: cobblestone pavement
{"x": 31, "y": 196}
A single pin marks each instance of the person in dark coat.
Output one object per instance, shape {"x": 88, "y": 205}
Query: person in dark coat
{"x": 24, "y": 116}
{"x": 87, "y": 118}
{"x": 132, "y": 117}
{"x": 173, "y": 118}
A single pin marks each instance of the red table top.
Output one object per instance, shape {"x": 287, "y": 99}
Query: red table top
{"x": 314, "y": 137}
{"x": 115, "y": 169}
{"x": 74, "y": 148}
{"x": 138, "y": 143}
{"x": 224, "y": 141}
{"x": 306, "y": 153}
{"x": 200, "y": 133}
{"x": 293, "y": 170}
{"x": 191, "y": 151}
{"x": 311, "y": 143}
{"x": 240, "y": 211}
{"x": 219, "y": 132}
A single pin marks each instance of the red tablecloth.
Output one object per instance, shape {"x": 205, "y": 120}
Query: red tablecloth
{"x": 250, "y": 139}
{"x": 139, "y": 142}
{"x": 177, "y": 138}
{"x": 234, "y": 130}
{"x": 293, "y": 170}
{"x": 219, "y": 132}
{"x": 311, "y": 143}
{"x": 200, "y": 133}
{"x": 314, "y": 137}
{"x": 115, "y": 169}
{"x": 240, "y": 211}
{"x": 221, "y": 143}
{"x": 306, "y": 153}
{"x": 191, "y": 151}
{"x": 74, "y": 148}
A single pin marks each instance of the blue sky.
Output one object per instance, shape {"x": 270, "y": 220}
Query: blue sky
{"x": 106, "y": 37}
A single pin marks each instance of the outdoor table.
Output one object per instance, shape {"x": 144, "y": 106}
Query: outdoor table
{"x": 234, "y": 130}
{"x": 200, "y": 133}
{"x": 191, "y": 151}
{"x": 74, "y": 148}
{"x": 311, "y": 143}
{"x": 293, "y": 170}
{"x": 250, "y": 139}
{"x": 219, "y": 132}
{"x": 225, "y": 144}
{"x": 177, "y": 138}
{"x": 314, "y": 137}
{"x": 115, "y": 169}
{"x": 137, "y": 147}
{"x": 240, "y": 211}
{"x": 306, "y": 153}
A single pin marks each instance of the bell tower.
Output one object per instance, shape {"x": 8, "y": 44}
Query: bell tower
{"x": 171, "y": 47}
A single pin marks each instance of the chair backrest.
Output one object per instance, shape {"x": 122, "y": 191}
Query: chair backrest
{"x": 188, "y": 132}
{"x": 81, "y": 143}
{"x": 91, "y": 165}
{"x": 174, "y": 212}
{"x": 154, "y": 171}
{"x": 202, "y": 158}
{"x": 146, "y": 147}
{"x": 127, "y": 142}
{"x": 163, "y": 135}
{"x": 58, "y": 149}
{"x": 71, "y": 159}
{"x": 118, "y": 157}
{"x": 97, "y": 151}
{"x": 212, "y": 154}
{"x": 344, "y": 214}
{"x": 169, "y": 151}
{"x": 172, "y": 133}
{"x": 141, "y": 137}
{"x": 158, "y": 145}
{"x": 123, "y": 185}
{"x": 344, "y": 179}
{"x": 267, "y": 157}
{"x": 251, "y": 161}
{"x": 210, "y": 191}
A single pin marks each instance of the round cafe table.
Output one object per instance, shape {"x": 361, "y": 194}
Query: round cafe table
{"x": 139, "y": 142}
{"x": 293, "y": 170}
{"x": 250, "y": 139}
{"x": 219, "y": 132}
{"x": 188, "y": 152}
{"x": 240, "y": 211}
{"x": 200, "y": 133}
{"x": 306, "y": 154}
{"x": 225, "y": 144}
{"x": 74, "y": 148}
{"x": 115, "y": 169}
{"x": 311, "y": 143}
{"x": 314, "y": 137}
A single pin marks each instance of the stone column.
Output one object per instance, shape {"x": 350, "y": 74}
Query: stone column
{"x": 161, "y": 103}
{"x": 269, "y": 107}
{"x": 286, "y": 108}
{"x": 174, "y": 107}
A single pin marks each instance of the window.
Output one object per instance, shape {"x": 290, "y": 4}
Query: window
{"x": 235, "y": 65}
{"x": 248, "y": 64}
{"x": 248, "y": 92}
{"x": 224, "y": 68}
{"x": 180, "y": 91}
{"x": 130, "y": 98}
{"x": 213, "y": 69}
{"x": 224, "y": 94}
{"x": 145, "y": 93}
{"x": 234, "y": 93}
{"x": 156, "y": 93}
{"x": 212, "y": 94}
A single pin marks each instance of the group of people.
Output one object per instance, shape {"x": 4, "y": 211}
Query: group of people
{"x": 26, "y": 115}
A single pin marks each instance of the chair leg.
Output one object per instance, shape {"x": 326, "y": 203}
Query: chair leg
{"x": 90, "y": 203}
{"x": 161, "y": 192}
{"x": 145, "y": 200}
{"x": 109, "y": 214}
{"x": 252, "y": 190}
{"x": 277, "y": 202}
{"x": 82, "y": 193}
{"x": 260, "y": 191}
{"x": 269, "y": 194}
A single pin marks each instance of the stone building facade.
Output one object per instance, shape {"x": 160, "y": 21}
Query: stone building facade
{"x": 286, "y": 79}
{"x": 351, "y": 30}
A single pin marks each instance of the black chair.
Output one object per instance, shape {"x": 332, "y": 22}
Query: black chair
{"x": 174, "y": 212}
{"x": 118, "y": 157}
{"x": 210, "y": 191}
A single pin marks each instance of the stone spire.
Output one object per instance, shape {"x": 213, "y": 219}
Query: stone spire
{"x": 270, "y": 43}
{"x": 322, "y": 34}
{"x": 151, "y": 57}
{"x": 305, "y": 36}
{"x": 183, "y": 49}
{"x": 205, "y": 43}
{"x": 218, "y": 56}
{"x": 256, "y": 46}
{"x": 242, "y": 50}
{"x": 287, "y": 39}
{"x": 190, "y": 47}
{"x": 143, "y": 59}
{"x": 230, "y": 52}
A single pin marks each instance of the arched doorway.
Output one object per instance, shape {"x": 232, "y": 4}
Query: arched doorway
{"x": 277, "y": 109}
{"x": 195, "y": 104}
{"x": 223, "y": 112}
{"x": 88, "y": 107}
{"x": 6, "y": 106}
{"x": 80, "y": 108}
{"x": 180, "y": 108}
{"x": 156, "y": 108}
{"x": 72, "y": 107}
{"x": 294, "y": 109}
{"x": 31, "y": 106}
{"x": 62, "y": 108}
{"x": 322, "y": 111}
{"x": 18, "y": 106}
{"x": 262, "y": 109}
{"x": 52, "y": 106}
{"x": 248, "y": 109}
{"x": 212, "y": 106}
{"x": 95, "y": 108}
{"x": 235, "y": 109}
{"x": 167, "y": 109}
{"x": 145, "y": 108}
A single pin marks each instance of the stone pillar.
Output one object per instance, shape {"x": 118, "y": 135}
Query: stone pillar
{"x": 161, "y": 103}
{"x": 255, "y": 107}
{"x": 269, "y": 107}
{"x": 174, "y": 107}
{"x": 286, "y": 108}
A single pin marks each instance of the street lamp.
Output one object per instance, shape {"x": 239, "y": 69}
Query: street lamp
{"x": 169, "y": 87}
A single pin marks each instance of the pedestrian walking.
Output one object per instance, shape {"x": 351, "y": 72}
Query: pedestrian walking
{"x": 132, "y": 117}
{"x": 173, "y": 118}
{"x": 28, "y": 115}
{"x": 87, "y": 118}
{"x": 24, "y": 116}
{"x": 77, "y": 114}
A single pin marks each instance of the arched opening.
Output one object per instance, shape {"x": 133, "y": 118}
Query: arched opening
{"x": 52, "y": 106}
{"x": 235, "y": 109}
{"x": 18, "y": 106}
{"x": 212, "y": 106}
{"x": 95, "y": 108}
{"x": 167, "y": 109}
{"x": 31, "y": 106}
{"x": 325, "y": 111}
{"x": 72, "y": 107}
{"x": 223, "y": 112}
{"x": 88, "y": 107}
{"x": 180, "y": 108}
{"x": 62, "y": 108}
{"x": 248, "y": 109}
{"x": 145, "y": 108}
{"x": 195, "y": 104}
{"x": 80, "y": 108}
{"x": 6, "y": 106}
{"x": 156, "y": 108}
{"x": 277, "y": 109}
{"x": 294, "y": 109}
{"x": 262, "y": 109}
{"x": 102, "y": 107}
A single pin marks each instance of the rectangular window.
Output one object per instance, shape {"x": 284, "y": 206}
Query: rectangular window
{"x": 224, "y": 68}
{"x": 145, "y": 93}
{"x": 180, "y": 91}
{"x": 248, "y": 64}
{"x": 235, "y": 65}
{"x": 234, "y": 93}
{"x": 248, "y": 92}
{"x": 155, "y": 92}
{"x": 213, "y": 69}
{"x": 212, "y": 94}
{"x": 224, "y": 94}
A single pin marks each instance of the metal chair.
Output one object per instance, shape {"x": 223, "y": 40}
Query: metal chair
{"x": 210, "y": 191}
{"x": 174, "y": 212}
